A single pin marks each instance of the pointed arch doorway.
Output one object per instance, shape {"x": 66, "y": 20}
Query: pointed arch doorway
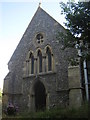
{"x": 40, "y": 96}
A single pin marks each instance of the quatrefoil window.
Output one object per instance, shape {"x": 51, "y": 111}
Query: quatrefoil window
{"x": 39, "y": 38}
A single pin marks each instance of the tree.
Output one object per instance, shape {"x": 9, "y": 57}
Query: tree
{"x": 0, "y": 94}
{"x": 77, "y": 17}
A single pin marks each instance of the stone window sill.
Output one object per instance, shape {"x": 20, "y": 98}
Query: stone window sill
{"x": 40, "y": 74}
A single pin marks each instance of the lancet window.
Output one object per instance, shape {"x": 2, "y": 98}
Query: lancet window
{"x": 31, "y": 57}
{"x": 40, "y": 60}
{"x": 49, "y": 58}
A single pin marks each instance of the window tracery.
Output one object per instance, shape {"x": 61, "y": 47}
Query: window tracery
{"x": 40, "y": 61}
{"x": 39, "y": 38}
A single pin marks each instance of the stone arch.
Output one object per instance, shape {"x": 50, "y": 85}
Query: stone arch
{"x": 39, "y": 60}
{"x": 38, "y": 50}
{"x": 39, "y": 81}
{"x": 40, "y": 95}
{"x": 48, "y": 46}
{"x": 29, "y": 64}
{"x": 28, "y": 54}
{"x": 50, "y": 60}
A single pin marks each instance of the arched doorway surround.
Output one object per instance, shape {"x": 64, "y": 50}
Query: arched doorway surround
{"x": 39, "y": 99}
{"x": 40, "y": 96}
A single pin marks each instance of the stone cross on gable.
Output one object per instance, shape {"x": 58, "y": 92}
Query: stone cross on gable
{"x": 40, "y": 3}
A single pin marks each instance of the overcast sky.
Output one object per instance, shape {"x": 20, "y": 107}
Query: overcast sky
{"x": 14, "y": 19}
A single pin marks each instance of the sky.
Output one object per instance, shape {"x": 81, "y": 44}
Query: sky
{"x": 14, "y": 19}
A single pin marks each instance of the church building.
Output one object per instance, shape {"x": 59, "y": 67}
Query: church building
{"x": 38, "y": 75}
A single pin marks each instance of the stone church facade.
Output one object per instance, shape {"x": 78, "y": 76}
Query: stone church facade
{"x": 38, "y": 68}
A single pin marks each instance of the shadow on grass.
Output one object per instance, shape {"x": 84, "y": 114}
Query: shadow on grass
{"x": 57, "y": 113}
{"x": 0, "y": 108}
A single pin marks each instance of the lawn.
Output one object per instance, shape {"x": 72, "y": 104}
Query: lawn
{"x": 81, "y": 112}
{"x": 0, "y": 107}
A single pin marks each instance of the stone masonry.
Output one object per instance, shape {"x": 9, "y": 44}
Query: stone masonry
{"x": 22, "y": 87}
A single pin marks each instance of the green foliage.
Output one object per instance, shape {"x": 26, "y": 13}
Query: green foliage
{"x": 81, "y": 112}
{"x": 78, "y": 18}
{"x": 0, "y": 94}
{"x": 67, "y": 40}
{"x": 73, "y": 61}
{"x": 77, "y": 35}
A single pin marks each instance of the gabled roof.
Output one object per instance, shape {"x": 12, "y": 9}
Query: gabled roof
{"x": 40, "y": 15}
{"x": 40, "y": 11}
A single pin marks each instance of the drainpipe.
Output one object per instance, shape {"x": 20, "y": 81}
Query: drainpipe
{"x": 78, "y": 47}
{"x": 86, "y": 80}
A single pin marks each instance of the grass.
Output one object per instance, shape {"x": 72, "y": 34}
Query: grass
{"x": 0, "y": 108}
{"x": 81, "y": 112}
